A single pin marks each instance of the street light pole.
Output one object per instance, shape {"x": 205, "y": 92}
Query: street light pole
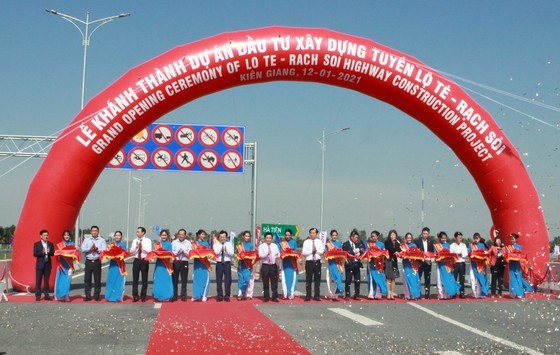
{"x": 86, "y": 35}
{"x": 139, "y": 181}
{"x": 323, "y": 149}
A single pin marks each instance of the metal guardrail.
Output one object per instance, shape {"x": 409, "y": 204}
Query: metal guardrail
{"x": 4, "y": 253}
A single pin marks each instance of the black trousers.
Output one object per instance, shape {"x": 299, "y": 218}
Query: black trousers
{"x": 459, "y": 273}
{"x": 352, "y": 271}
{"x": 269, "y": 275}
{"x": 223, "y": 272}
{"x": 180, "y": 270}
{"x": 42, "y": 275}
{"x": 140, "y": 266}
{"x": 425, "y": 269}
{"x": 497, "y": 276}
{"x": 93, "y": 267}
{"x": 313, "y": 276}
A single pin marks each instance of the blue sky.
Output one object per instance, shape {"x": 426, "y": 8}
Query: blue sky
{"x": 373, "y": 171}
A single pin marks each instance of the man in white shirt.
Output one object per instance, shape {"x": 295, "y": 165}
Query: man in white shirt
{"x": 269, "y": 255}
{"x": 141, "y": 246}
{"x": 224, "y": 250}
{"x": 181, "y": 247}
{"x": 312, "y": 251}
{"x": 459, "y": 248}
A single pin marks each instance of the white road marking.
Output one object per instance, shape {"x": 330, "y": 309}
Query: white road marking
{"x": 82, "y": 272}
{"x": 355, "y": 317}
{"x": 157, "y": 305}
{"x": 511, "y": 344}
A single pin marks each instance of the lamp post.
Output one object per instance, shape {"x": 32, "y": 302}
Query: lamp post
{"x": 86, "y": 35}
{"x": 139, "y": 181}
{"x": 323, "y": 149}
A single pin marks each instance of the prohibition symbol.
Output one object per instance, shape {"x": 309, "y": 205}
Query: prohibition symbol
{"x": 232, "y": 137}
{"x": 209, "y": 136}
{"x": 138, "y": 158}
{"x": 141, "y": 137}
{"x": 232, "y": 160}
{"x": 118, "y": 160}
{"x": 208, "y": 160}
{"x": 185, "y": 159}
{"x": 185, "y": 135}
{"x": 161, "y": 158}
{"x": 162, "y": 135}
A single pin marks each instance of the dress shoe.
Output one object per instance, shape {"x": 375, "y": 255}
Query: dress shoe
{"x": 143, "y": 298}
{"x": 37, "y": 299}
{"x": 219, "y": 299}
{"x": 317, "y": 298}
{"x": 135, "y": 299}
{"x": 87, "y": 299}
{"x": 184, "y": 298}
{"x": 275, "y": 300}
{"x": 226, "y": 298}
{"x": 307, "y": 299}
{"x": 97, "y": 298}
{"x": 48, "y": 298}
{"x": 266, "y": 300}
{"x": 356, "y": 297}
{"x": 174, "y": 299}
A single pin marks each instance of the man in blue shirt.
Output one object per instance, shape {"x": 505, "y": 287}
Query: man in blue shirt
{"x": 92, "y": 247}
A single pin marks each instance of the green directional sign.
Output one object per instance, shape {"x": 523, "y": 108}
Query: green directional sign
{"x": 280, "y": 229}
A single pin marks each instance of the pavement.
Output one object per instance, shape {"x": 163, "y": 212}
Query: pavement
{"x": 487, "y": 326}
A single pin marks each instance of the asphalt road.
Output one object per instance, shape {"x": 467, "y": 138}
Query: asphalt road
{"x": 423, "y": 327}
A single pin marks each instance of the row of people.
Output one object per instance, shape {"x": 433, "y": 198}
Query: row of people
{"x": 280, "y": 257}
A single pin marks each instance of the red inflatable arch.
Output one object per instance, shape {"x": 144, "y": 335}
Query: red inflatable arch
{"x": 188, "y": 72}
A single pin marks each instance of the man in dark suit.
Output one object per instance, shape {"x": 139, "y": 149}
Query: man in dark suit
{"x": 352, "y": 268}
{"x": 425, "y": 267}
{"x": 43, "y": 250}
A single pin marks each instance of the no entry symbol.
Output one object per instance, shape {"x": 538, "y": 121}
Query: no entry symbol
{"x": 232, "y": 160}
{"x": 161, "y": 158}
{"x": 162, "y": 135}
{"x": 118, "y": 160}
{"x": 209, "y": 136}
{"x": 185, "y": 135}
{"x": 138, "y": 158}
{"x": 208, "y": 160}
{"x": 185, "y": 159}
{"x": 232, "y": 137}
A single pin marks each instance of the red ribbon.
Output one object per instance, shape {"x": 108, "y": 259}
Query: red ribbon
{"x": 446, "y": 256}
{"x": 249, "y": 257}
{"x": 413, "y": 254}
{"x": 165, "y": 256}
{"x": 117, "y": 254}
{"x": 202, "y": 253}
{"x": 377, "y": 254}
{"x": 480, "y": 257}
{"x": 290, "y": 254}
{"x": 69, "y": 253}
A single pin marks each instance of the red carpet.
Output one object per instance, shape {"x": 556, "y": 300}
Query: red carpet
{"x": 224, "y": 328}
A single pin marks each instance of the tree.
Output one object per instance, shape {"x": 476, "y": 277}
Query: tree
{"x": 555, "y": 241}
{"x": 6, "y": 234}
